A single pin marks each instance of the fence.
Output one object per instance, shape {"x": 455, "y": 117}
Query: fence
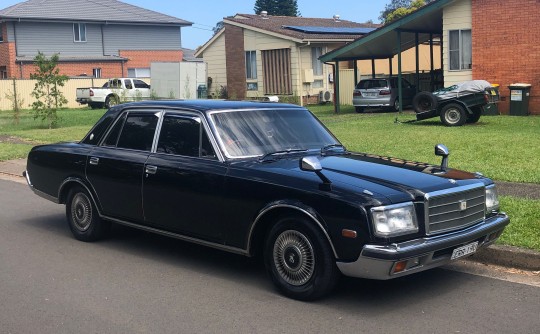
{"x": 347, "y": 84}
{"x": 22, "y": 89}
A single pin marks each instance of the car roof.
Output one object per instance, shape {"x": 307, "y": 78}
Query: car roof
{"x": 206, "y": 105}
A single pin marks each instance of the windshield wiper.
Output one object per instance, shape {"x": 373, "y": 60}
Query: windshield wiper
{"x": 331, "y": 146}
{"x": 287, "y": 151}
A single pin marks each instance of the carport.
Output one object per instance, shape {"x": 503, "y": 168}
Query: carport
{"x": 419, "y": 27}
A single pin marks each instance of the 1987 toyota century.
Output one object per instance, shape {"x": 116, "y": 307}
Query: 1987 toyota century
{"x": 266, "y": 179}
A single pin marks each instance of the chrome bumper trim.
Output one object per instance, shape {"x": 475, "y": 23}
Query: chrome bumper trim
{"x": 377, "y": 262}
{"x": 38, "y": 192}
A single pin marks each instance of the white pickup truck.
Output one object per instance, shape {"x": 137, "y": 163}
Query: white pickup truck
{"x": 113, "y": 92}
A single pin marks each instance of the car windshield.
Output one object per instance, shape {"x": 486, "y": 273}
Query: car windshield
{"x": 254, "y": 133}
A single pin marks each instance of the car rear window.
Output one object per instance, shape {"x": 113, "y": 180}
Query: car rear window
{"x": 372, "y": 83}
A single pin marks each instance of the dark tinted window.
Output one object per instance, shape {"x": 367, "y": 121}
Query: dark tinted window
{"x": 138, "y": 132}
{"x": 140, "y": 84}
{"x": 184, "y": 136}
{"x": 372, "y": 83}
{"x": 112, "y": 138}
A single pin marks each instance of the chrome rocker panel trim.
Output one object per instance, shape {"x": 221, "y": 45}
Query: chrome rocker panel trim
{"x": 377, "y": 262}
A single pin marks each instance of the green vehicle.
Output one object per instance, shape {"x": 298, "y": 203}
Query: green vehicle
{"x": 456, "y": 105}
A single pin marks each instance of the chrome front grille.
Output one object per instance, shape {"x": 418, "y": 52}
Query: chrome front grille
{"x": 455, "y": 208}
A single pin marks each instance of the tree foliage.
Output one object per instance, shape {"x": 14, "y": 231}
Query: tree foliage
{"x": 399, "y": 8}
{"x": 46, "y": 90}
{"x": 277, "y": 7}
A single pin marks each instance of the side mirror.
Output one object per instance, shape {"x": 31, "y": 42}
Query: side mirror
{"x": 442, "y": 151}
{"x": 310, "y": 164}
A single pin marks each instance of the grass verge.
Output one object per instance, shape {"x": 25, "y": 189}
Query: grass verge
{"x": 524, "y": 227}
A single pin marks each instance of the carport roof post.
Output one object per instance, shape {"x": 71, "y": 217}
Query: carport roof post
{"x": 387, "y": 41}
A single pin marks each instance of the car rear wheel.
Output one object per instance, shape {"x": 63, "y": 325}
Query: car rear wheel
{"x": 453, "y": 114}
{"x": 111, "y": 101}
{"x": 396, "y": 105}
{"x": 82, "y": 216}
{"x": 299, "y": 260}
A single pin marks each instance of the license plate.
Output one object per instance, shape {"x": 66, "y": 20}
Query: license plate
{"x": 371, "y": 94}
{"x": 464, "y": 250}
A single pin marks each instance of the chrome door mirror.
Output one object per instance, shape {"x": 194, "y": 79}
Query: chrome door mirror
{"x": 310, "y": 164}
{"x": 442, "y": 151}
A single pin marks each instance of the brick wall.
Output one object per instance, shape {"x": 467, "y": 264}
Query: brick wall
{"x": 143, "y": 58}
{"x": 136, "y": 59}
{"x": 235, "y": 62}
{"x": 108, "y": 69}
{"x": 506, "y": 46}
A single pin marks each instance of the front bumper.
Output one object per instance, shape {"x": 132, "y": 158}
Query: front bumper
{"x": 380, "y": 262}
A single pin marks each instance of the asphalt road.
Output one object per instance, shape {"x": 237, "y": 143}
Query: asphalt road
{"x": 135, "y": 282}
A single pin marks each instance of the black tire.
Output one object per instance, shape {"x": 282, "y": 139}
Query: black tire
{"x": 95, "y": 105}
{"x": 475, "y": 116}
{"x": 453, "y": 114}
{"x": 299, "y": 259}
{"x": 424, "y": 101}
{"x": 111, "y": 101}
{"x": 83, "y": 218}
{"x": 359, "y": 109}
{"x": 395, "y": 106}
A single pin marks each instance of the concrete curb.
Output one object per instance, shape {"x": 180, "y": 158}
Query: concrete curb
{"x": 508, "y": 256}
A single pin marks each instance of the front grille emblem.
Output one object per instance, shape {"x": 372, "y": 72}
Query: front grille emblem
{"x": 462, "y": 205}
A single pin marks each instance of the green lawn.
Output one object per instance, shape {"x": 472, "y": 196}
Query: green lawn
{"x": 502, "y": 147}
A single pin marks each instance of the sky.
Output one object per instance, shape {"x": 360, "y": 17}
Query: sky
{"x": 206, "y": 13}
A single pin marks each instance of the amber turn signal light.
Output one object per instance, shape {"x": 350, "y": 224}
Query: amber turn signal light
{"x": 400, "y": 266}
{"x": 348, "y": 233}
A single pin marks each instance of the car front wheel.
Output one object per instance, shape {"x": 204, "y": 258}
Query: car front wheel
{"x": 299, "y": 259}
{"x": 82, "y": 216}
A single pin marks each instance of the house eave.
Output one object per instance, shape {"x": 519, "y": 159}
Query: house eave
{"x": 46, "y": 20}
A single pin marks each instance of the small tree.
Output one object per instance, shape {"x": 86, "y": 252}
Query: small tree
{"x": 46, "y": 91}
{"x": 398, "y": 8}
{"x": 277, "y": 7}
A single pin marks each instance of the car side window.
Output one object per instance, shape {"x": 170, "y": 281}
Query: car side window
{"x": 140, "y": 84}
{"x": 184, "y": 136}
{"x": 128, "y": 84}
{"x": 112, "y": 137}
{"x": 138, "y": 132}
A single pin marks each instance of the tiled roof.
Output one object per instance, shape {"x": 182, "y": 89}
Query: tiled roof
{"x": 278, "y": 24}
{"x": 87, "y": 10}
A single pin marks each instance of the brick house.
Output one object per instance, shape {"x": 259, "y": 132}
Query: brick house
{"x": 493, "y": 40}
{"x": 258, "y": 55}
{"x": 99, "y": 38}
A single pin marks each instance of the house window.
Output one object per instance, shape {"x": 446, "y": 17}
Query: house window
{"x": 277, "y": 71}
{"x": 96, "y": 72}
{"x": 317, "y": 84}
{"x": 251, "y": 65}
{"x": 315, "y": 62}
{"x": 460, "y": 48}
{"x": 252, "y": 86}
{"x": 1, "y": 33}
{"x": 138, "y": 72}
{"x": 79, "y": 32}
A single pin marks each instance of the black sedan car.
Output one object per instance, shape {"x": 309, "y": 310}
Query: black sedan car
{"x": 266, "y": 179}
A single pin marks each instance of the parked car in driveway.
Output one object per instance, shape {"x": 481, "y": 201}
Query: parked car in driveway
{"x": 381, "y": 93}
{"x": 268, "y": 180}
{"x": 113, "y": 92}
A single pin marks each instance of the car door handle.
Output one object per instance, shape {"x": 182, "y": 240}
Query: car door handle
{"x": 94, "y": 161}
{"x": 150, "y": 169}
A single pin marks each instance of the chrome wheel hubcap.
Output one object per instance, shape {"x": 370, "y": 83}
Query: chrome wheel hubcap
{"x": 452, "y": 116}
{"x": 294, "y": 257}
{"x": 81, "y": 212}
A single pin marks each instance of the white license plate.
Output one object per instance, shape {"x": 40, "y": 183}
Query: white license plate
{"x": 464, "y": 250}
{"x": 371, "y": 94}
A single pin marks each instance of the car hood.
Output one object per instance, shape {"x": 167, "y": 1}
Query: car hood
{"x": 394, "y": 179}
